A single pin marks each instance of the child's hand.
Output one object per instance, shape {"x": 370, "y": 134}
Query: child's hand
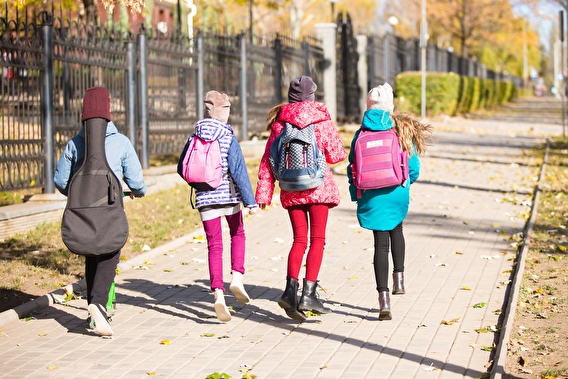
{"x": 252, "y": 210}
{"x": 262, "y": 206}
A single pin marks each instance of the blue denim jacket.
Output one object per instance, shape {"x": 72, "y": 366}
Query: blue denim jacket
{"x": 120, "y": 155}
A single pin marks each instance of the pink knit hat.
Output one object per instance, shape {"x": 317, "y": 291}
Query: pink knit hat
{"x": 217, "y": 106}
{"x": 96, "y": 104}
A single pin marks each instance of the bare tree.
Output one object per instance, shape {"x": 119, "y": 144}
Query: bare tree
{"x": 90, "y": 9}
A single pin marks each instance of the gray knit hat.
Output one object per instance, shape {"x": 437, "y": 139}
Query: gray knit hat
{"x": 301, "y": 88}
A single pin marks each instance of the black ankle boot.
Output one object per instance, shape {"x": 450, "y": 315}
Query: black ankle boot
{"x": 309, "y": 300}
{"x": 289, "y": 300}
{"x": 398, "y": 283}
{"x": 385, "y": 307}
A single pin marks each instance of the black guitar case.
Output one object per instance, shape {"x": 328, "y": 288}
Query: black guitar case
{"x": 94, "y": 221}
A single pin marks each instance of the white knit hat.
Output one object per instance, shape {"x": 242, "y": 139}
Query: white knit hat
{"x": 381, "y": 98}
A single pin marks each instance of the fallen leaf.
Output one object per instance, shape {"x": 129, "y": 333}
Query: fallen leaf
{"x": 164, "y": 342}
{"x": 479, "y": 305}
{"x": 207, "y": 334}
{"x": 431, "y": 368}
{"x": 465, "y": 288}
{"x": 52, "y": 367}
{"x": 151, "y": 373}
{"x": 488, "y": 348}
{"x": 452, "y": 321}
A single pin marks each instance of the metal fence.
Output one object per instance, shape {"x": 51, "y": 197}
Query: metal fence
{"x": 157, "y": 83}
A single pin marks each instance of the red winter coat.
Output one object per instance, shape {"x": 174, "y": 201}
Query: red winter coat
{"x": 302, "y": 114}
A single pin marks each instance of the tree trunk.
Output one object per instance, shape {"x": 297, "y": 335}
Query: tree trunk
{"x": 91, "y": 12}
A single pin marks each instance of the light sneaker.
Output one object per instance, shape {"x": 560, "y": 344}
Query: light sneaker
{"x": 99, "y": 320}
{"x": 221, "y": 309}
{"x": 238, "y": 289}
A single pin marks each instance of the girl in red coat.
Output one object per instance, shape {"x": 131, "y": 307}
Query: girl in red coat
{"x": 309, "y": 207}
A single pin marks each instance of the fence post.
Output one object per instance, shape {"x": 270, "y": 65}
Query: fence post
{"x": 306, "y": 50}
{"x": 47, "y": 101}
{"x": 243, "y": 94}
{"x": 278, "y": 70}
{"x": 363, "y": 71}
{"x": 327, "y": 33}
{"x": 199, "y": 96}
{"x": 386, "y": 57}
{"x": 131, "y": 91}
{"x": 143, "y": 97}
{"x": 371, "y": 65}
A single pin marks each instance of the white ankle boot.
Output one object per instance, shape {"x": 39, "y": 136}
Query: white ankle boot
{"x": 221, "y": 309}
{"x": 238, "y": 289}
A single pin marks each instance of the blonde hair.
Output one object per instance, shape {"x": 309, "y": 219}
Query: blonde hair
{"x": 411, "y": 131}
{"x": 273, "y": 115}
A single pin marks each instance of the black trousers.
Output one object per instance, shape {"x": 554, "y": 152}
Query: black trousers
{"x": 384, "y": 238}
{"x": 99, "y": 274}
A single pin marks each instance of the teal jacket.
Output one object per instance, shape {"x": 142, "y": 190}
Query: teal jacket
{"x": 382, "y": 209}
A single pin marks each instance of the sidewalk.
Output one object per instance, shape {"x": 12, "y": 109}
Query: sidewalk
{"x": 466, "y": 206}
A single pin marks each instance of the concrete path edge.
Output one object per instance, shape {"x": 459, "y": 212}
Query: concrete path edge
{"x": 498, "y": 368}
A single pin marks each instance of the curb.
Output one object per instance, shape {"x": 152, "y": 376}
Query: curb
{"x": 58, "y": 296}
{"x": 513, "y": 297}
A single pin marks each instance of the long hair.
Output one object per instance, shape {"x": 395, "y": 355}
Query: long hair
{"x": 411, "y": 131}
{"x": 273, "y": 115}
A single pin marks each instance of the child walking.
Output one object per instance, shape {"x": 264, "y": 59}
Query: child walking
{"x": 308, "y": 207}
{"x": 383, "y": 210}
{"x": 100, "y": 270}
{"x": 224, "y": 201}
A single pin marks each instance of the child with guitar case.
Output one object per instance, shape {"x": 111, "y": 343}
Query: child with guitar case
{"x": 90, "y": 172}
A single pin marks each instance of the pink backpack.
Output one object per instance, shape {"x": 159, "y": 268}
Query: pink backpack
{"x": 201, "y": 166}
{"x": 379, "y": 161}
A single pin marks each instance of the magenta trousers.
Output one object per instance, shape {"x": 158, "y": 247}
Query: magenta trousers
{"x": 214, "y": 235}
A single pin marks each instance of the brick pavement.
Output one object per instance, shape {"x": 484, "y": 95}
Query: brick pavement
{"x": 468, "y": 203}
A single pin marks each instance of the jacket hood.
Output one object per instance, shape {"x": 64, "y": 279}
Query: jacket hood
{"x": 376, "y": 119}
{"x": 211, "y": 129}
{"x": 304, "y": 113}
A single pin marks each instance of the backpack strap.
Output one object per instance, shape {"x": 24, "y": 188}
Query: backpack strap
{"x": 192, "y": 197}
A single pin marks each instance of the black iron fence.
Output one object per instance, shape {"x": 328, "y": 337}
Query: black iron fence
{"x": 157, "y": 82}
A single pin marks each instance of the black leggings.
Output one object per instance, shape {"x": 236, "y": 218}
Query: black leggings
{"x": 99, "y": 274}
{"x": 381, "y": 257}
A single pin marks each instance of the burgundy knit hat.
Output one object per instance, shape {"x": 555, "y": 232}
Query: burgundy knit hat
{"x": 301, "y": 88}
{"x": 96, "y": 103}
{"x": 217, "y": 106}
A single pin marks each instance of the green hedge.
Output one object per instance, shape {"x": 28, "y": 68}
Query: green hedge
{"x": 450, "y": 94}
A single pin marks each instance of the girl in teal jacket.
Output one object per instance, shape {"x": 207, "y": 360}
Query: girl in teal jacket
{"x": 383, "y": 210}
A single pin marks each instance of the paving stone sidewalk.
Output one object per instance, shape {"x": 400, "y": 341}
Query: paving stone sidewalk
{"x": 469, "y": 202}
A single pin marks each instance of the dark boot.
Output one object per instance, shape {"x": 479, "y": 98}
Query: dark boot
{"x": 385, "y": 307}
{"x": 398, "y": 283}
{"x": 309, "y": 300}
{"x": 289, "y": 300}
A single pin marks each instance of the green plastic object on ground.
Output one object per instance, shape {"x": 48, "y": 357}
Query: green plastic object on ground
{"x": 111, "y": 303}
